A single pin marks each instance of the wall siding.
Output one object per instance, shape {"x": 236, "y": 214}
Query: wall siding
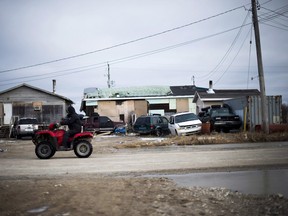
{"x": 24, "y": 100}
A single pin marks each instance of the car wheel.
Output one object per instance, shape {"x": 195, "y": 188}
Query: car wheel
{"x": 83, "y": 149}
{"x": 44, "y": 150}
{"x": 159, "y": 132}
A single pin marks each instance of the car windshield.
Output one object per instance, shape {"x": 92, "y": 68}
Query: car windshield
{"x": 221, "y": 111}
{"x": 144, "y": 120}
{"x": 185, "y": 117}
{"x": 28, "y": 121}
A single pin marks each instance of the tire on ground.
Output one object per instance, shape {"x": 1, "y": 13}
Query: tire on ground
{"x": 44, "y": 150}
{"x": 83, "y": 149}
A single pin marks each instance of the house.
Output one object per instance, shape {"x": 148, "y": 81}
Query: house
{"x": 29, "y": 101}
{"x": 212, "y": 96}
{"x": 127, "y": 104}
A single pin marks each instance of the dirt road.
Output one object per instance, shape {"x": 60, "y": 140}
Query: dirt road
{"x": 110, "y": 182}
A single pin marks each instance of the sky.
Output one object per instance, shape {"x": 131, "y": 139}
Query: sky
{"x": 145, "y": 43}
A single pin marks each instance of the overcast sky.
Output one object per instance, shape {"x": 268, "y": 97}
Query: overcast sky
{"x": 151, "y": 42}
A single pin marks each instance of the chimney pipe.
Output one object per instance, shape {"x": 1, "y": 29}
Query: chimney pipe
{"x": 210, "y": 90}
{"x": 54, "y": 86}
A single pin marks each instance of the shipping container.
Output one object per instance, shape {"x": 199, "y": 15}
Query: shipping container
{"x": 249, "y": 110}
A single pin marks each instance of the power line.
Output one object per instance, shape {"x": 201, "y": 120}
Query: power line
{"x": 278, "y": 11}
{"x": 117, "y": 61}
{"x": 216, "y": 68}
{"x": 272, "y": 15}
{"x": 80, "y": 69}
{"x": 121, "y": 44}
{"x": 233, "y": 59}
{"x": 275, "y": 26}
{"x": 129, "y": 58}
{"x": 249, "y": 59}
{"x": 267, "y": 18}
{"x": 52, "y": 76}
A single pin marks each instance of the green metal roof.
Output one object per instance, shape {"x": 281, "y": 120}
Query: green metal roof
{"x": 142, "y": 91}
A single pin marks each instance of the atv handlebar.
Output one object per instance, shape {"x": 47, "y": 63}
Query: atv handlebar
{"x": 54, "y": 126}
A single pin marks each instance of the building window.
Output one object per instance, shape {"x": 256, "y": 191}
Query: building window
{"x": 119, "y": 102}
{"x": 122, "y": 117}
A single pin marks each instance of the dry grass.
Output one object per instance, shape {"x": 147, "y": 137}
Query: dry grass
{"x": 219, "y": 138}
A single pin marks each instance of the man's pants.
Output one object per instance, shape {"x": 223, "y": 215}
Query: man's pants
{"x": 69, "y": 133}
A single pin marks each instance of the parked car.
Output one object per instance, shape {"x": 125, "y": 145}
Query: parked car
{"x": 221, "y": 118}
{"x": 157, "y": 125}
{"x": 24, "y": 127}
{"x": 185, "y": 123}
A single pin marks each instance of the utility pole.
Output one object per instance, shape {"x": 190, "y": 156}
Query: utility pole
{"x": 265, "y": 121}
{"x": 108, "y": 81}
{"x": 193, "y": 80}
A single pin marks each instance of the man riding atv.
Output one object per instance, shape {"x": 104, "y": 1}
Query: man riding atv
{"x": 47, "y": 142}
{"x": 74, "y": 124}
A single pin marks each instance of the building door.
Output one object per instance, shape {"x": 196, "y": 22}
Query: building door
{"x": 7, "y": 113}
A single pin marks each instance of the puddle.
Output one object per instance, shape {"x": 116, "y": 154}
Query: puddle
{"x": 261, "y": 182}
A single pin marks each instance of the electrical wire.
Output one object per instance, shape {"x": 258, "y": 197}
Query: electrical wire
{"x": 216, "y": 68}
{"x": 278, "y": 11}
{"x": 233, "y": 59}
{"x": 277, "y": 27}
{"x": 271, "y": 15}
{"x": 51, "y": 76}
{"x": 121, "y": 44}
{"x": 249, "y": 58}
{"x": 117, "y": 61}
{"x": 80, "y": 69}
{"x": 132, "y": 57}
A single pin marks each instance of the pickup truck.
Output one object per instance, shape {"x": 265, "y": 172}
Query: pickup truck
{"x": 221, "y": 118}
{"x": 24, "y": 127}
{"x": 98, "y": 124}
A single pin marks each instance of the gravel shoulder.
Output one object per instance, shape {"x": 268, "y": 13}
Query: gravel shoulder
{"x": 102, "y": 195}
{"x": 114, "y": 194}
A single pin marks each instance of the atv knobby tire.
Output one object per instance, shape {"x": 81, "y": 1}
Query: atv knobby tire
{"x": 83, "y": 149}
{"x": 44, "y": 150}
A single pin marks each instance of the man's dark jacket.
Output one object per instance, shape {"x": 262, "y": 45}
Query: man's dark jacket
{"x": 72, "y": 120}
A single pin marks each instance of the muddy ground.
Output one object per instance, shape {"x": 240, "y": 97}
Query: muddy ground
{"x": 114, "y": 194}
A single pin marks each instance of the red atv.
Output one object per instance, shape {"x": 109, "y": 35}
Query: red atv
{"x": 47, "y": 142}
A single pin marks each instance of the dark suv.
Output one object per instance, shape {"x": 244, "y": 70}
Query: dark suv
{"x": 221, "y": 118}
{"x": 157, "y": 125}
